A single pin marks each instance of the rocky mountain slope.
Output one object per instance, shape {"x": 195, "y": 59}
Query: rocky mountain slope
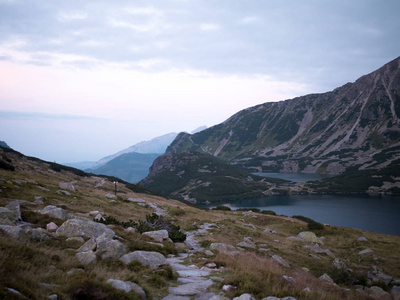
{"x": 65, "y": 235}
{"x": 356, "y": 126}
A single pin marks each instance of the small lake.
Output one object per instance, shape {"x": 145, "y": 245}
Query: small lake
{"x": 378, "y": 214}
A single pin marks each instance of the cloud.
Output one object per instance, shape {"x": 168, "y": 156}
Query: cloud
{"x": 72, "y": 16}
{"x": 209, "y": 27}
{"x": 249, "y": 20}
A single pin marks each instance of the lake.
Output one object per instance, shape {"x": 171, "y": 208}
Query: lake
{"x": 379, "y": 214}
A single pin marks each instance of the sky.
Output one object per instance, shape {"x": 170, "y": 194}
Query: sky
{"x": 80, "y": 80}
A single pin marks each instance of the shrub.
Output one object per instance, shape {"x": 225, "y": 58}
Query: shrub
{"x": 268, "y": 212}
{"x": 311, "y": 224}
{"x": 221, "y": 207}
{"x": 176, "y": 235}
{"x": 6, "y": 166}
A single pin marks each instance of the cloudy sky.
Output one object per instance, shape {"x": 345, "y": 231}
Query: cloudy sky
{"x": 80, "y": 80}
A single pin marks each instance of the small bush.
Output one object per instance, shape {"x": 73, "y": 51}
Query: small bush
{"x": 221, "y": 207}
{"x": 268, "y": 212}
{"x": 311, "y": 224}
{"x": 176, "y": 235}
{"x": 6, "y": 166}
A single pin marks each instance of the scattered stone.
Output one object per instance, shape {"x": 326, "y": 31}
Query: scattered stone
{"x": 146, "y": 258}
{"x": 51, "y": 227}
{"x": 307, "y": 290}
{"x": 317, "y": 249}
{"x": 52, "y": 297}
{"x": 99, "y": 218}
{"x": 326, "y": 278}
{"x": 90, "y": 245}
{"x": 100, "y": 183}
{"x": 209, "y": 253}
{"x": 38, "y": 234}
{"x": 7, "y": 217}
{"x": 15, "y": 232}
{"x": 271, "y": 298}
{"x": 63, "y": 192}
{"x": 366, "y": 252}
{"x": 110, "y": 249}
{"x": 395, "y": 292}
{"x": 75, "y": 271}
{"x": 127, "y": 286}
{"x": 159, "y": 235}
{"x": 223, "y": 247}
{"x": 250, "y": 225}
{"x": 86, "y": 258}
{"x": 244, "y": 297}
{"x": 338, "y": 264}
{"x": 111, "y": 196}
{"x": 113, "y": 201}
{"x": 378, "y": 293}
{"x": 310, "y": 237}
{"x": 362, "y": 239}
{"x": 211, "y": 265}
{"x": 289, "y": 279}
{"x": 39, "y": 199}
{"x": 94, "y": 213}
{"x": 191, "y": 289}
{"x": 376, "y": 274}
{"x": 314, "y": 256}
{"x": 229, "y": 288}
{"x": 15, "y": 209}
{"x": 75, "y": 239}
{"x": 43, "y": 188}
{"x": 174, "y": 297}
{"x": 247, "y": 243}
{"x": 75, "y": 227}
{"x": 136, "y": 200}
{"x": 54, "y": 211}
{"x": 281, "y": 261}
{"x": 15, "y": 293}
{"x": 66, "y": 186}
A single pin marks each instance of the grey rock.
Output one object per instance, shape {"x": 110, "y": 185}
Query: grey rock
{"x": 86, "y": 258}
{"x": 191, "y": 289}
{"x": 15, "y": 208}
{"x": 244, "y": 297}
{"x": 136, "y": 200}
{"x": 51, "y": 227}
{"x": 378, "y": 293}
{"x": 38, "y": 199}
{"x": 281, "y": 261}
{"x": 146, "y": 258}
{"x": 310, "y": 237}
{"x": 14, "y": 292}
{"x": 110, "y": 249}
{"x": 338, "y": 264}
{"x": 210, "y": 296}
{"x": 193, "y": 273}
{"x": 366, "y": 252}
{"x": 66, "y": 186}
{"x": 222, "y": 247}
{"x": 38, "y": 234}
{"x": 90, "y": 245}
{"x": 317, "y": 249}
{"x": 289, "y": 279}
{"x": 127, "y": 286}
{"x": 377, "y": 275}
{"x": 99, "y": 218}
{"x": 15, "y": 232}
{"x": 75, "y": 239}
{"x": 271, "y": 298}
{"x": 75, "y": 227}
{"x": 7, "y": 217}
{"x": 247, "y": 243}
{"x": 52, "y": 297}
{"x": 158, "y": 235}
{"x": 209, "y": 253}
{"x": 111, "y": 196}
{"x": 395, "y": 292}
{"x": 54, "y": 211}
{"x": 326, "y": 278}
{"x": 75, "y": 271}
{"x": 362, "y": 239}
{"x": 63, "y": 192}
{"x": 175, "y": 297}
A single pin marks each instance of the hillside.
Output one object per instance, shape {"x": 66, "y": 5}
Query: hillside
{"x": 131, "y": 167}
{"x": 52, "y": 247}
{"x": 355, "y": 126}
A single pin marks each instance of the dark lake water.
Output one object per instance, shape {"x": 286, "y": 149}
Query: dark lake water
{"x": 378, "y": 214}
{"x": 295, "y": 177}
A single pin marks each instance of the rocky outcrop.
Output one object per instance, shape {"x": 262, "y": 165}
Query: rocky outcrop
{"x": 75, "y": 227}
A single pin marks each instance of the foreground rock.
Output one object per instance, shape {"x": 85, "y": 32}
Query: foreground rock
{"x": 147, "y": 258}
{"x": 54, "y": 211}
{"x": 127, "y": 286}
{"x": 75, "y": 227}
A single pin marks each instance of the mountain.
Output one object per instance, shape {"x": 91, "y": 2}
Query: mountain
{"x": 131, "y": 167}
{"x": 4, "y": 144}
{"x": 353, "y": 130}
{"x": 353, "y": 126}
{"x": 202, "y": 178}
{"x": 82, "y": 165}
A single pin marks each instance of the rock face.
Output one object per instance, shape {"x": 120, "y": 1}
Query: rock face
{"x": 75, "y": 227}
{"x": 146, "y": 258}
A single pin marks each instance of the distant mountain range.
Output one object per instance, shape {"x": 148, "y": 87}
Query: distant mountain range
{"x": 355, "y": 127}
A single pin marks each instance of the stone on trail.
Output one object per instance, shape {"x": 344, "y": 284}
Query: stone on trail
{"x": 244, "y": 297}
{"x": 127, "y": 286}
{"x": 146, "y": 258}
{"x": 191, "y": 289}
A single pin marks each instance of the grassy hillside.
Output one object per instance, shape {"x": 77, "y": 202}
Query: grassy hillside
{"x": 39, "y": 268}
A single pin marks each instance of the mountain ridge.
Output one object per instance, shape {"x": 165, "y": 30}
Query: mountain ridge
{"x": 316, "y": 133}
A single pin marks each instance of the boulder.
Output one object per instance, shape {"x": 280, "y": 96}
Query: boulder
{"x": 111, "y": 249}
{"x": 127, "y": 286}
{"x": 326, "y": 278}
{"x": 158, "y": 236}
{"x": 51, "y": 227}
{"x": 366, "y": 252}
{"x": 15, "y": 209}
{"x": 362, "y": 239}
{"x": 66, "y": 186}
{"x": 395, "y": 292}
{"x": 7, "y": 217}
{"x": 281, "y": 261}
{"x": 223, "y": 247}
{"x": 146, "y": 258}
{"x": 378, "y": 293}
{"x": 310, "y": 237}
{"x": 376, "y": 274}
{"x": 86, "y": 258}
{"x": 338, "y": 264}
{"x": 111, "y": 196}
{"x": 54, "y": 211}
{"x": 15, "y": 232}
{"x": 90, "y": 245}
{"x": 75, "y": 227}
{"x": 38, "y": 234}
{"x": 247, "y": 243}
{"x": 317, "y": 249}
{"x": 244, "y": 297}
